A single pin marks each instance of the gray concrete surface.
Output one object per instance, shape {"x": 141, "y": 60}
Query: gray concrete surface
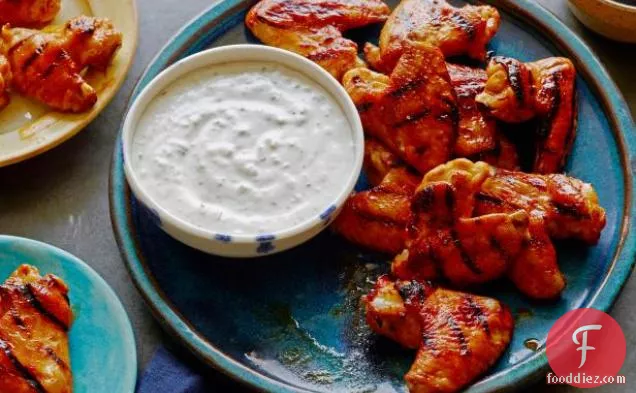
{"x": 61, "y": 197}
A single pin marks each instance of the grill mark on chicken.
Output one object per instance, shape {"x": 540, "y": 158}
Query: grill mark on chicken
{"x": 29, "y": 295}
{"x": 513, "y": 73}
{"x": 553, "y": 87}
{"x": 51, "y": 353}
{"x": 480, "y": 196}
{"x": 405, "y": 88}
{"x": 570, "y": 211}
{"x": 364, "y": 107}
{"x": 413, "y": 290}
{"x": 24, "y": 372}
{"x": 477, "y": 313}
{"x": 34, "y": 56}
{"x": 18, "y": 320}
{"x": 459, "y": 335}
{"x": 464, "y": 25}
{"x": 468, "y": 261}
{"x": 437, "y": 263}
{"x": 412, "y": 118}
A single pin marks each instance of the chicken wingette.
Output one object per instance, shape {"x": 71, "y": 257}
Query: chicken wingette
{"x": 313, "y": 28}
{"x": 456, "y": 31}
{"x": 545, "y": 89}
{"x": 414, "y": 111}
{"x": 458, "y": 336}
{"x": 35, "y": 317}
{"x": 28, "y": 13}
{"x": 47, "y": 64}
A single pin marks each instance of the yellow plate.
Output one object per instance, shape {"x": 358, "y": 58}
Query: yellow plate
{"x": 28, "y": 128}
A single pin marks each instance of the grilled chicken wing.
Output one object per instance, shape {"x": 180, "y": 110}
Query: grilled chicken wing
{"x": 413, "y": 112}
{"x": 377, "y": 219}
{"x": 545, "y": 89}
{"x": 313, "y": 28}
{"x": 28, "y": 12}
{"x": 34, "y": 320}
{"x": 458, "y": 231}
{"x": 456, "y": 31}
{"x": 5, "y": 81}
{"x": 568, "y": 206}
{"x": 458, "y": 335}
{"x": 47, "y": 65}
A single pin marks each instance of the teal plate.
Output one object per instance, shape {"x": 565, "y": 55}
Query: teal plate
{"x": 292, "y": 322}
{"x": 102, "y": 344}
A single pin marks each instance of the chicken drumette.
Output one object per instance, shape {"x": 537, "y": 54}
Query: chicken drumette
{"x": 456, "y": 31}
{"x": 313, "y": 28}
{"x": 458, "y": 336}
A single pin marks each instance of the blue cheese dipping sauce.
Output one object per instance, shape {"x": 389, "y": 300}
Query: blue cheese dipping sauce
{"x": 244, "y": 148}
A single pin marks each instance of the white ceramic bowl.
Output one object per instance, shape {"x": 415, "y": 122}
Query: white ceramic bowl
{"x": 242, "y": 245}
{"x": 609, "y": 18}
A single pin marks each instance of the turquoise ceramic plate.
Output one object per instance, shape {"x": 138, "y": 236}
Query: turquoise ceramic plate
{"x": 291, "y": 323}
{"x": 102, "y": 345}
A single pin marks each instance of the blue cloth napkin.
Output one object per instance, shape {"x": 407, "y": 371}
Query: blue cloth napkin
{"x": 170, "y": 373}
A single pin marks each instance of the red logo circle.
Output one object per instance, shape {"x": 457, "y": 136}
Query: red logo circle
{"x": 586, "y": 348}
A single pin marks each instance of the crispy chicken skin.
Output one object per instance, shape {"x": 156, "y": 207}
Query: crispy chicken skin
{"x": 28, "y": 13}
{"x": 47, "y": 64}
{"x": 378, "y": 218}
{"x": 35, "y": 317}
{"x": 456, "y": 31}
{"x": 569, "y": 207}
{"x": 313, "y": 28}
{"x": 413, "y": 112}
{"x": 545, "y": 89}
{"x": 458, "y": 335}
{"x": 5, "y": 81}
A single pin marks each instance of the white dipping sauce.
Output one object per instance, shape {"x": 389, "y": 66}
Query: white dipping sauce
{"x": 244, "y": 148}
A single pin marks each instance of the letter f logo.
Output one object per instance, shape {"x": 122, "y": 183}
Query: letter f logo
{"x": 584, "y": 347}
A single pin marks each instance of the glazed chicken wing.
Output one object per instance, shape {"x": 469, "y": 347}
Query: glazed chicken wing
{"x": 27, "y": 13}
{"x": 47, "y": 65}
{"x": 569, "y": 207}
{"x": 456, "y": 31}
{"x": 35, "y": 317}
{"x": 545, "y": 89}
{"x": 458, "y": 335}
{"x": 313, "y": 28}
{"x": 462, "y": 233}
{"x": 413, "y": 112}
{"x": 377, "y": 219}
{"x": 5, "y": 81}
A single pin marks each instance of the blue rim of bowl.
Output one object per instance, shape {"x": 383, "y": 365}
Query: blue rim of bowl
{"x": 219, "y": 18}
{"x": 95, "y": 277}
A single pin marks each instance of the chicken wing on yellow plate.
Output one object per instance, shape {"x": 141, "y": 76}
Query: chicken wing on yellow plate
{"x": 414, "y": 111}
{"x": 378, "y": 218}
{"x": 456, "y": 31}
{"x": 313, "y": 28}
{"x": 458, "y": 335}
{"x": 28, "y": 13}
{"x": 545, "y": 89}
{"x": 47, "y": 64}
{"x": 5, "y": 81}
{"x": 35, "y": 317}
